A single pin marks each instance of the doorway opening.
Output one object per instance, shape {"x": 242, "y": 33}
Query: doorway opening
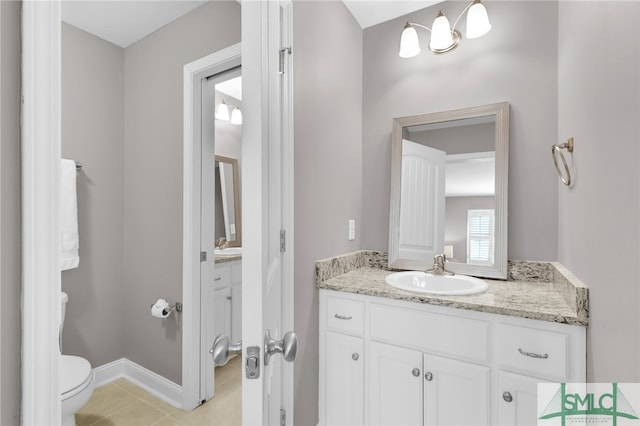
{"x": 208, "y": 285}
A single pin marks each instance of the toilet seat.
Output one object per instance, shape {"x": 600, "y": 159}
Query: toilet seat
{"x": 75, "y": 375}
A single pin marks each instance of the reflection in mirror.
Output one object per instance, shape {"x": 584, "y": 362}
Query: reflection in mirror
{"x": 449, "y": 190}
{"x": 227, "y": 202}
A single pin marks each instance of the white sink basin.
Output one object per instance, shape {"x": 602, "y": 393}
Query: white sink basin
{"x": 451, "y": 285}
{"x": 229, "y": 251}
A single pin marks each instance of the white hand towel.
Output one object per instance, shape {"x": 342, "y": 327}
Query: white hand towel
{"x": 69, "y": 243}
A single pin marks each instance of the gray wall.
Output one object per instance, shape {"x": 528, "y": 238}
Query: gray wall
{"x": 458, "y": 140}
{"x": 153, "y": 177}
{"x": 10, "y": 212}
{"x": 598, "y": 99}
{"x": 92, "y": 133}
{"x": 328, "y": 167}
{"x": 515, "y": 62}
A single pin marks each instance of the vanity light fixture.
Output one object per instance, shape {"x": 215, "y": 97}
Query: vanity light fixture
{"x": 222, "y": 112}
{"x": 236, "y": 116}
{"x": 444, "y": 37}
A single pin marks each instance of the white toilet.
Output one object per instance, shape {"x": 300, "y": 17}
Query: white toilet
{"x": 77, "y": 380}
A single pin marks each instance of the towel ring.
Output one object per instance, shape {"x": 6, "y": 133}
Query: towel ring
{"x": 557, "y": 150}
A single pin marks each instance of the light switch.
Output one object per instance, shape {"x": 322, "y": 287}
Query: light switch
{"x": 352, "y": 229}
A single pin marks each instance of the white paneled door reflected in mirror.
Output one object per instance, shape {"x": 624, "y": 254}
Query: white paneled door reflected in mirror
{"x": 449, "y": 190}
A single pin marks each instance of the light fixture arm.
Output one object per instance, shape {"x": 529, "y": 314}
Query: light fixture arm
{"x": 415, "y": 24}
{"x": 455, "y": 24}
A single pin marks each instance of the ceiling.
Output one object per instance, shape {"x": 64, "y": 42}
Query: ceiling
{"x": 123, "y": 22}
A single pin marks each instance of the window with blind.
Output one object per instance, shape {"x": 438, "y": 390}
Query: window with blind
{"x": 480, "y": 237}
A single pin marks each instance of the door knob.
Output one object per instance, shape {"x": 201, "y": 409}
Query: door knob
{"x": 288, "y": 346}
{"x": 222, "y": 350}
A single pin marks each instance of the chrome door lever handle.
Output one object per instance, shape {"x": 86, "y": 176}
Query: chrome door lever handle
{"x": 223, "y": 349}
{"x": 288, "y": 346}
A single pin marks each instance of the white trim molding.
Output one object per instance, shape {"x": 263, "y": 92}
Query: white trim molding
{"x": 153, "y": 383}
{"x": 192, "y": 331}
{"x": 41, "y": 87}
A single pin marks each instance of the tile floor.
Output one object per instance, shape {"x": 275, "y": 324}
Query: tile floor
{"x": 121, "y": 403}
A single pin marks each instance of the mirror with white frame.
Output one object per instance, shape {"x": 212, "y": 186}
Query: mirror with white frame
{"x": 227, "y": 204}
{"x": 449, "y": 180}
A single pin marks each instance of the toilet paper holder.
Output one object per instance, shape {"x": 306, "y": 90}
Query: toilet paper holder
{"x": 176, "y": 306}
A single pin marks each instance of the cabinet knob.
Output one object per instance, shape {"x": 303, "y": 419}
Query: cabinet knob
{"x": 428, "y": 376}
{"x": 416, "y": 372}
{"x": 507, "y": 397}
{"x": 355, "y": 356}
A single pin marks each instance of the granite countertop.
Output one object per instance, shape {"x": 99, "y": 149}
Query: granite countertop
{"x": 560, "y": 298}
{"x": 220, "y": 258}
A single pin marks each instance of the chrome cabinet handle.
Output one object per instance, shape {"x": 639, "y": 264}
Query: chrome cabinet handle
{"x": 355, "y": 356}
{"x": 507, "y": 397}
{"x": 415, "y": 372}
{"x": 533, "y": 355}
{"x": 342, "y": 317}
{"x": 222, "y": 350}
{"x": 428, "y": 376}
{"x": 288, "y": 346}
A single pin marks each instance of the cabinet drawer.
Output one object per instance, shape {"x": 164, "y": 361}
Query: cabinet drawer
{"x": 345, "y": 315}
{"x": 221, "y": 277}
{"x": 464, "y": 338}
{"x": 533, "y": 350}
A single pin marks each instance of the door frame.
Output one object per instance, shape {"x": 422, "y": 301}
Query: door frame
{"x": 193, "y": 332}
{"x": 41, "y": 151}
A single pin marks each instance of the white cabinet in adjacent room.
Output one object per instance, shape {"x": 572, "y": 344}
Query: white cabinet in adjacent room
{"x": 227, "y": 309}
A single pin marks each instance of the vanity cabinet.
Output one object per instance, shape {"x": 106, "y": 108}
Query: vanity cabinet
{"x": 420, "y": 364}
{"x": 345, "y": 402}
{"x": 228, "y": 299}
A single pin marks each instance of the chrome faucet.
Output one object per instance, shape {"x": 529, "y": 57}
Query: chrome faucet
{"x": 438, "y": 266}
{"x": 221, "y": 243}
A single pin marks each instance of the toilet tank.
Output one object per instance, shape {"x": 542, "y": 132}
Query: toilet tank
{"x": 63, "y": 307}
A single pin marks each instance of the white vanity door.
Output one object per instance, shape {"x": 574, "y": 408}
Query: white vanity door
{"x": 518, "y": 399}
{"x": 345, "y": 380}
{"x": 455, "y": 393}
{"x": 395, "y": 385}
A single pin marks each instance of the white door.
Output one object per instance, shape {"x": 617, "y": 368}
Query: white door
{"x": 422, "y": 201}
{"x": 456, "y": 393}
{"x": 518, "y": 394}
{"x": 344, "y": 380}
{"x": 395, "y": 388}
{"x": 267, "y": 199}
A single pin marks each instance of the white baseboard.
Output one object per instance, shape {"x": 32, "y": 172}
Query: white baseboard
{"x": 153, "y": 383}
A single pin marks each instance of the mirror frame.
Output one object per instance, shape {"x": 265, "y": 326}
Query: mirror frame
{"x": 236, "y": 198}
{"x": 501, "y": 112}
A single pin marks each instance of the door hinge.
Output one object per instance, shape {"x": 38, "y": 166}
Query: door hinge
{"x": 283, "y": 51}
{"x": 203, "y": 256}
{"x": 283, "y": 240}
{"x": 283, "y": 417}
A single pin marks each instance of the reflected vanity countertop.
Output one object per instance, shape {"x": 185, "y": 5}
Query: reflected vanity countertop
{"x": 546, "y": 291}
{"x": 222, "y": 258}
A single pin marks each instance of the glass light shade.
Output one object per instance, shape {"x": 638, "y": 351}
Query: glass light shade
{"x": 441, "y": 37}
{"x": 477, "y": 20}
{"x": 236, "y": 116}
{"x": 409, "y": 45}
{"x": 222, "y": 112}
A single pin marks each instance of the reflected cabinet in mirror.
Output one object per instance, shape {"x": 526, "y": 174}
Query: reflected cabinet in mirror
{"x": 449, "y": 190}
{"x": 227, "y": 202}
